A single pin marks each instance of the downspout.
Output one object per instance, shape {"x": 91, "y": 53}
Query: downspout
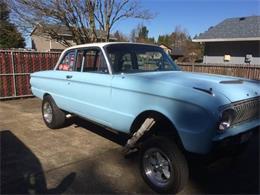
{"x": 50, "y": 45}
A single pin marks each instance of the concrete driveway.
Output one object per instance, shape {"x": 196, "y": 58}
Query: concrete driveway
{"x": 85, "y": 158}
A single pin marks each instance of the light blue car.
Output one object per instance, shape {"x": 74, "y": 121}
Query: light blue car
{"x": 166, "y": 113}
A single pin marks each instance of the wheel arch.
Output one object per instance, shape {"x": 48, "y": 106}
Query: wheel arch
{"x": 45, "y": 95}
{"x": 163, "y": 126}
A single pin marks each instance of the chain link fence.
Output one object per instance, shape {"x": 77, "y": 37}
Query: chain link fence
{"x": 15, "y": 69}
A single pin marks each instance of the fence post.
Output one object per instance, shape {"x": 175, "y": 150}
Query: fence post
{"x": 14, "y": 81}
{"x": 192, "y": 67}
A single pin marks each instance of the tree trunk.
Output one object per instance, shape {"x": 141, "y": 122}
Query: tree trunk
{"x": 91, "y": 11}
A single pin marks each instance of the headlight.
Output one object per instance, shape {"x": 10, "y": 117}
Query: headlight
{"x": 226, "y": 119}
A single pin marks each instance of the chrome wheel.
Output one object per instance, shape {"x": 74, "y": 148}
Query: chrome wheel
{"x": 157, "y": 167}
{"x": 47, "y": 112}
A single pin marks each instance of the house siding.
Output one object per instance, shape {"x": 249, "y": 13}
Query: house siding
{"x": 215, "y": 51}
{"x": 40, "y": 43}
{"x": 45, "y": 44}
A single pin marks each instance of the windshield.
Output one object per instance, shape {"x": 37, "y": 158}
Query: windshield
{"x": 133, "y": 58}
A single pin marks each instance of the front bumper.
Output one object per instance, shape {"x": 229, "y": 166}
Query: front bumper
{"x": 232, "y": 143}
{"x": 226, "y": 147}
{"x": 235, "y": 137}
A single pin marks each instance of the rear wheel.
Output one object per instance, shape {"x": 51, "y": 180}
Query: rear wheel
{"x": 163, "y": 166}
{"x": 53, "y": 117}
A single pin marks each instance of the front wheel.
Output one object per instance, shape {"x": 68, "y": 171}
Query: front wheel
{"x": 163, "y": 166}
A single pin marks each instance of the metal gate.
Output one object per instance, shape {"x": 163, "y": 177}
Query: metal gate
{"x": 15, "y": 69}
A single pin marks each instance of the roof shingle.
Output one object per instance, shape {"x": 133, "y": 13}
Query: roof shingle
{"x": 233, "y": 28}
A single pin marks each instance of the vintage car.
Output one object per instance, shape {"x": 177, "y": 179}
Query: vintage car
{"x": 137, "y": 89}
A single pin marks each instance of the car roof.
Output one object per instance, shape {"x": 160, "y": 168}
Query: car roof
{"x": 102, "y": 44}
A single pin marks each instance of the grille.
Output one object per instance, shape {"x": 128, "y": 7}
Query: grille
{"x": 247, "y": 110}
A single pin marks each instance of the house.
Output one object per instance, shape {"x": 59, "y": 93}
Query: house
{"x": 174, "y": 52}
{"x": 177, "y": 52}
{"x": 166, "y": 48}
{"x": 42, "y": 41}
{"x": 233, "y": 41}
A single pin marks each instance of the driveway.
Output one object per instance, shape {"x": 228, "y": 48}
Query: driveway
{"x": 85, "y": 158}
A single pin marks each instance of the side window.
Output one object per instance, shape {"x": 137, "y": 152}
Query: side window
{"x": 94, "y": 61}
{"x": 67, "y": 62}
{"x": 79, "y": 60}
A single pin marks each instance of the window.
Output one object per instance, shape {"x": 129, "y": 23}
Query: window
{"x": 126, "y": 62}
{"x": 67, "y": 62}
{"x": 91, "y": 60}
{"x": 80, "y": 60}
{"x": 133, "y": 58}
{"x": 149, "y": 60}
{"x": 227, "y": 58}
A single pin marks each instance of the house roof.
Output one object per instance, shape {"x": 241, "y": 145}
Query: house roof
{"x": 233, "y": 29}
{"x": 177, "y": 52}
{"x": 40, "y": 29}
{"x": 60, "y": 30}
{"x": 166, "y": 46}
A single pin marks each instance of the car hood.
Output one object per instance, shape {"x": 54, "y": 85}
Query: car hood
{"x": 233, "y": 88}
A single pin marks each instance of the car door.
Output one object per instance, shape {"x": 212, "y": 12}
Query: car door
{"x": 58, "y": 87}
{"x": 89, "y": 85}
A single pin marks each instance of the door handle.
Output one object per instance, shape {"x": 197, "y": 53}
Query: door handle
{"x": 68, "y": 76}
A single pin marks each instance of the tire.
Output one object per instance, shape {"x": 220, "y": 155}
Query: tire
{"x": 167, "y": 172}
{"x": 52, "y": 116}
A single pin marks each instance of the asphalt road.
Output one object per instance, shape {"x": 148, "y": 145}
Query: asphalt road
{"x": 85, "y": 158}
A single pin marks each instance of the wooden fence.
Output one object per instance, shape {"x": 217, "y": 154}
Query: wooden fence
{"x": 238, "y": 70}
{"x": 16, "y": 66}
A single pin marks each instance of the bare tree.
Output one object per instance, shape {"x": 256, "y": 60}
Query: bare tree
{"x": 120, "y": 37}
{"x": 86, "y": 20}
{"x": 109, "y": 12}
{"x": 72, "y": 14}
